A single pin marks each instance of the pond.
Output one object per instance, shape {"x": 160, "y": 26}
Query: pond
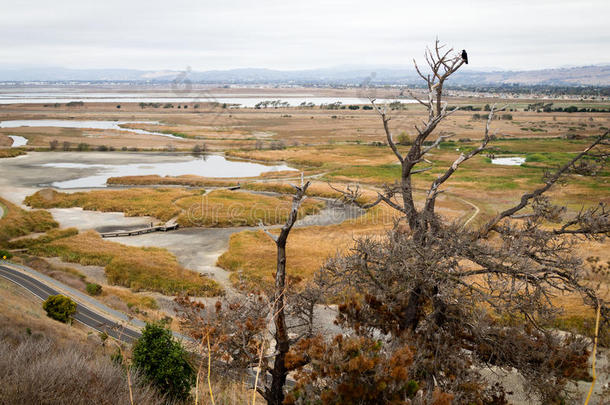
{"x": 206, "y": 166}
{"x": 508, "y": 161}
{"x": 18, "y": 141}
{"x": 90, "y": 124}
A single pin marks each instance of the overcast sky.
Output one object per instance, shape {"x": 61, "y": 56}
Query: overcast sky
{"x": 223, "y": 34}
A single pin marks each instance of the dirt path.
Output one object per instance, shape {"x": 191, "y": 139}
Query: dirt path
{"x": 476, "y": 209}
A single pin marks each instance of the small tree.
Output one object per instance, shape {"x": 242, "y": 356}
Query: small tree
{"x": 60, "y": 308}
{"x": 54, "y": 144}
{"x": 243, "y": 329}
{"x": 66, "y": 146}
{"x": 94, "y": 289}
{"x": 163, "y": 361}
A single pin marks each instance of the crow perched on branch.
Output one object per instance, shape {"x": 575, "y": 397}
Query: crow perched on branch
{"x": 464, "y": 56}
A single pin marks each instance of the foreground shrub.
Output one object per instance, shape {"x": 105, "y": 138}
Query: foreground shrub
{"x": 351, "y": 370}
{"x": 60, "y": 308}
{"x": 94, "y": 289}
{"x": 163, "y": 362}
{"x": 36, "y": 370}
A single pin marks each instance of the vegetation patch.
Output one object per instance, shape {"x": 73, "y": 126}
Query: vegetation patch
{"x": 156, "y": 202}
{"x": 9, "y": 153}
{"x": 186, "y": 180}
{"x": 153, "y": 269}
{"x": 60, "y": 308}
{"x": 307, "y": 249}
{"x": 223, "y": 208}
{"x": 19, "y": 222}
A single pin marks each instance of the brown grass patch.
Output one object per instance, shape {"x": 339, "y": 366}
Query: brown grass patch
{"x": 9, "y": 153}
{"x": 222, "y": 208}
{"x": 19, "y": 222}
{"x": 133, "y": 202}
{"x": 252, "y": 254}
{"x": 153, "y": 269}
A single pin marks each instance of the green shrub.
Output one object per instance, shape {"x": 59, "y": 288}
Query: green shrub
{"x": 60, "y": 308}
{"x": 163, "y": 361}
{"x": 94, "y": 289}
{"x": 404, "y": 139}
{"x": 4, "y": 255}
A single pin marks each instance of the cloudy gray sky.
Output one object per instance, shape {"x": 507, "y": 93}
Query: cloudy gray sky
{"x": 222, "y": 34}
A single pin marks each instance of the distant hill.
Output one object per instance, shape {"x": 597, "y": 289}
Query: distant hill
{"x": 597, "y": 75}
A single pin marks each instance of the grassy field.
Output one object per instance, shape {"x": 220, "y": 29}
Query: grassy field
{"x": 221, "y": 208}
{"x": 218, "y": 208}
{"x": 341, "y": 146}
{"x": 152, "y": 269}
{"x": 9, "y": 153}
{"x": 307, "y": 248}
{"x": 19, "y": 222}
{"x": 156, "y": 202}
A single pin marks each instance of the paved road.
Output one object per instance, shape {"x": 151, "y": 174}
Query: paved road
{"x": 83, "y": 314}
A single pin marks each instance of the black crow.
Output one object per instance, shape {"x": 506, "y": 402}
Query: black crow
{"x": 464, "y": 56}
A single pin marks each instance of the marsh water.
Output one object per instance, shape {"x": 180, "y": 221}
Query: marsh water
{"x": 205, "y": 166}
{"x": 18, "y": 141}
{"x": 508, "y": 161}
{"x": 90, "y": 124}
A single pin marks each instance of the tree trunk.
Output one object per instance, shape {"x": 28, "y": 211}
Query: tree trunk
{"x": 279, "y": 371}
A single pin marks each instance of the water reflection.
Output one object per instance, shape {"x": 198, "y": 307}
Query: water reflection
{"x": 206, "y": 166}
{"x": 508, "y": 161}
{"x": 18, "y": 141}
{"x": 89, "y": 124}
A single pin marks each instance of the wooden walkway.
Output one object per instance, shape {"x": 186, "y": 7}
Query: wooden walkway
{"x": 169, "y": 226}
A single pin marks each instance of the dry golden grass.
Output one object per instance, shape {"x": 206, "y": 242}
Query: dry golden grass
{"x": 251, "y": 256}
{"x": 186, "y": 180}
{"x": 9, "y": 153}
{"x": 20, "y": 310}
{"x": 156, "y": 202}
{"x": 132, "y": 300}
{"x": 152, "y": 269}
{"x": 195, "y": 181}
{"x": 219, "y": 208}
{"x": 222, "y": 208}
{"x": 223, "y": 129}
{"x": 18, "y": 222}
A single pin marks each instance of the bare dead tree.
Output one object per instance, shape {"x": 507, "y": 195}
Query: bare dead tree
{"x": 239, "y": 328}
{"x": 470, "y": 299}
{"x": 275, "y": 393}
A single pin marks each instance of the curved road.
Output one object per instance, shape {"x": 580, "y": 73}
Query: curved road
{"x": 83, "y": 314}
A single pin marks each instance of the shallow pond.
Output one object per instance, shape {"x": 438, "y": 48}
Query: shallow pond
{"x": 90, "y": 124}
{"x": 206, "y": 166}
{"x": 18, "y": 141}
{"x": 508, "y": 161}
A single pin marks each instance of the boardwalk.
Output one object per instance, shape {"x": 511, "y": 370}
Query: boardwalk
{"x": 168, "y": 226}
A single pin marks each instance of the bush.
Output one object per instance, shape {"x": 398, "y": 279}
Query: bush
{"x": 54, "y": 144}
{"x": 403, "y": 139}
{"x": 163, "y": 361}
{"x": 4, "y": 255}
{"x": 38, "y": 368}
{"x": 82, "y": 147}
{"x": 94, "y": 289}
{"x": 60, "y": 308}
